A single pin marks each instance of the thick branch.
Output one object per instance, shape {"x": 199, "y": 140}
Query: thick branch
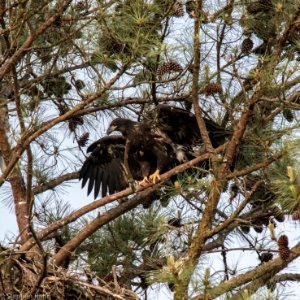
{"x": 258, "y": 166}
{"x": 97, "y": 223}
{"x": 16, "y": 179}
{"x": 286, "y": 277}
{"x": 272, "y": 267}
{"x": 54, "y": 182}
{"x": 108, "y": 199}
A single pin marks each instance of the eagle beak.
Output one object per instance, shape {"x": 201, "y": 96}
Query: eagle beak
{"x": 110, "y": 129}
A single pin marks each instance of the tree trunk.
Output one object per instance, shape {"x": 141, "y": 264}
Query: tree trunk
{"x": 15, "y": 178}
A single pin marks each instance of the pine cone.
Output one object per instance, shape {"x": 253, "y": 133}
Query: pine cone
{"x": 83, "y": 139}
{"x": 212, "y": 88}
{"x": 79, "y": 84}
{"x": 266, "y": 256}
{"x": 168, "y": 67}
{"x": 258, "y": 228}
{"x": 284, "y": 253}
{"x": 278, "y": 214}
{"x": 74, "y": 122}
{"x": 296, "y": 215}
{"x": 245, "y": 229}
{"x": 288, "y": 114}
{"x": 247, "y": 45}
{"x": 283, "y": 241}
{"x": 178, "y": 9}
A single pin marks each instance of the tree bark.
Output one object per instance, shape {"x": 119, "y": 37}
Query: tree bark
{"x": 15, "y": 178}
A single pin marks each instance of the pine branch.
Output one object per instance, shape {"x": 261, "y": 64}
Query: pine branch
{"x": 262, "y": 272}
{"x": 108, "y": 199}
{"x": 55, "y": 182}
{"x": 255, "y": 167}
{"x": 15, "y": 58}
{"x": 24, "y": 141}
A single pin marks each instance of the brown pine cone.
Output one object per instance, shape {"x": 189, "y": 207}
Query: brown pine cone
{"x": 284, "y": 253}
{"x": 266, "y": 256}
{"x": 247, "y": 45}
{"x": 288, "y": 114}
{"x": 278, "y": 214}
{"x": 79, "y": 84}
{"x": 83, "y": 139}
{"x": 212, "y": 88}
{"x": 245, "y": 229}
{"x": 168, "y": 67}
{"x": 258, "y": 228}
{"x": 283, "y": 241}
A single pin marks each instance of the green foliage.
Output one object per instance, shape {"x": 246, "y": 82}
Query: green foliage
{"x": 131, "y": 31}
{"x": 56, "y": 86}
{"x": 285, "y": 180}
{"x": 103, "y": 99}
{"x": 265, "y": 18}
{"x": 132, "y": 237}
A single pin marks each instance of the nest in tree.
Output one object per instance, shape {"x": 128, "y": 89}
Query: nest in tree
{"x": 20, "y": 275}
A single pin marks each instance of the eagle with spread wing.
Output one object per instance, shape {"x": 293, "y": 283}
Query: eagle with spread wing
{"x": 144, "y": 150}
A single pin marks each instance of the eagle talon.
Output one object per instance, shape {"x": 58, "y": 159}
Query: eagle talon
{"x": 154, "y": 177}
{"x": 144, "y": 182}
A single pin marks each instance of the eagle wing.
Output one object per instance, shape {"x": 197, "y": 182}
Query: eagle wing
{"x": 178, "y": 124}
{"x": 104, "y": 167}
{"x": 181, "y": 126}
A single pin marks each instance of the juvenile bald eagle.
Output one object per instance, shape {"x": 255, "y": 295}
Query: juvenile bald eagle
{"x": 144, "y": 150}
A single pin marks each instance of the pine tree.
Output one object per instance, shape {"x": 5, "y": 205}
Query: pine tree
{"x": 69, "y": 67}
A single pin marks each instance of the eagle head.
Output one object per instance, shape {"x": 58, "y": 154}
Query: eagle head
{"x": 121, "y": 125}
